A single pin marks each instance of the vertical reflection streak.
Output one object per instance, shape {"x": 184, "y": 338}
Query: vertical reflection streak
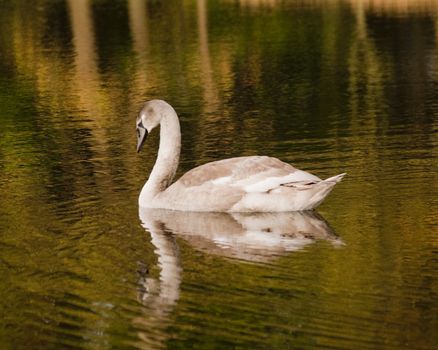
{"x": 83, "y": 39}
{"x": 140, "y": 39}
{"x": 87, "y": 79}
{"x": 366, "y": 79}
{"x": 211, "y": 99}
{"x": 137, "y": 21}
{"x": 212, "y": 123}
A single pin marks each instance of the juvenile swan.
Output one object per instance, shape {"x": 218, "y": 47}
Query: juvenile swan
{"x": 243, "y": 184}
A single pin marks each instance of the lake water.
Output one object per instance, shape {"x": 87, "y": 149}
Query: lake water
{"x": 329, "y": 86}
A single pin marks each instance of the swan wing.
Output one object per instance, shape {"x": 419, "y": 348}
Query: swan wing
{"x": 249, "y": 174}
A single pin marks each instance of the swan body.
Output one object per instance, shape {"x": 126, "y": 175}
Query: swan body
{"x": 242, "y": 184}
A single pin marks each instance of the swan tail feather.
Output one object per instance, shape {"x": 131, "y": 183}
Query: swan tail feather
{"x": 336, "y": 178}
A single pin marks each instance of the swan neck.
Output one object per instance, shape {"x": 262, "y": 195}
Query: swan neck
{"x": 167, "y": 161}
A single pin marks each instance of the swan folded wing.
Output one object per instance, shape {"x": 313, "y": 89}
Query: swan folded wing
{"x": 298, "y": 178}
{"x": 247, "y": 174}
{"x": 233, "y": 170}
{"x": 208, "y": 172}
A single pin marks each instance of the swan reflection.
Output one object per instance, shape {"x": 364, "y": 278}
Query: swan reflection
{"x": 256, "y": 237}
{"x": 246, "y": 236}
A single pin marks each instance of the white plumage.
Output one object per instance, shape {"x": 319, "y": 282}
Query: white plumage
{"x": 242, "y": 184}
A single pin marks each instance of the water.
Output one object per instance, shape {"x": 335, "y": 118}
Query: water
{"x": 330, "y": 86}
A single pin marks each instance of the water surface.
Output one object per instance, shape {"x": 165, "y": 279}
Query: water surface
{"x": 329, "y": 86}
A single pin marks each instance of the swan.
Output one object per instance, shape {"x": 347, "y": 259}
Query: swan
{"x": 241, "y": 184}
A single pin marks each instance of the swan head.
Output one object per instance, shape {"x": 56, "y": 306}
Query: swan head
{"x": 148, "y": 118}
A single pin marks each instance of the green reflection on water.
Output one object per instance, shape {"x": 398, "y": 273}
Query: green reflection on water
{"x": 330, "y": 86}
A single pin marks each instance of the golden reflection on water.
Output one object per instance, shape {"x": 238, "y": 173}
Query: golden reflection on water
{"x": 175, "y": 50}
{"x": 89, "y": 85}
{"x": 87, "y": 79}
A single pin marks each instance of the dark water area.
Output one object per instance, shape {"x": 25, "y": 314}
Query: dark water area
{"x": 329, "y": 86}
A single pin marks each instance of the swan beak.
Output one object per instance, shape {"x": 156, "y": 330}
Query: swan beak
{"x": 142, "y": 134}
